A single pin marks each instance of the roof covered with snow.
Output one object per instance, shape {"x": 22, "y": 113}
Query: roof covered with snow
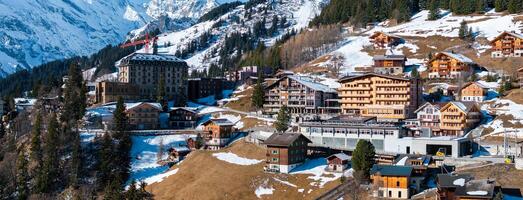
{"x": 448, "y": 180}
{"x": 483, "y": 188}
{"x": 219, "y": 122}
{"x": 389, "y": 57}
{"x": 149, "y": 57}
{"x": 307, "y": 82}
{"x": 131, "y": 106}
{"x": 341, "y": 156}
{"x": 517, "y": 35}
{"x": 463, "y": 106}
{"x": 456, "y": 56}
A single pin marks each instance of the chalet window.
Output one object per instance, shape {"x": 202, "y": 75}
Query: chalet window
{"x": 397, "y": 183}
{"x": 390, "y": 193}
{"x": 274, "y": 159}
{"x": 274, "y": 151}
{"x": 399, "y": 194}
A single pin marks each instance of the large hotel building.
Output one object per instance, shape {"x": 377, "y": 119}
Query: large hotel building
{"x": 382, "y": 96}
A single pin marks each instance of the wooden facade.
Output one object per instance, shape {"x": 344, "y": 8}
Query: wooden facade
{"x": 382, "y": 96}
{"x": 107, "y": 92}
{"x": 392, "y": 182}
{"x": 180, "y": 118}
{"x": 285, "y": 151}
{"x": 220, "y": 132}
{"x": 507, "y": 44}
{"x": 382, "y": 40}
{"x": 450, "y": 65}
{"x": 457, "y": 118}
{"x": 144, "y": 116}
{"x": 389, "y": 64}
{"x": 473, "y": 91}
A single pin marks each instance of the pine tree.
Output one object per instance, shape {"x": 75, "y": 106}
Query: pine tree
{"x": 106, "y": 158}
{"x": 113, "y": 191}
{"x": 514, "y": 6}
{"x": 36, "y": 148}
{"x": 500, "y": 5}
{"x": 480, "y": 6}
{"x": 363, "y": 159}
{"x": 414, "y": 73}
{"x": 49, "y": 173}
{"x": 258, "y": 93}
{"x": 433, "y": 10}
{"x": 120, "y": 120}
{"x": 283, "y": 119}
{"x": 76, "y": 161}
{"x": 21, "y": 177}
{"x": 74, "y": 95}
{"x": 463, "y": 30}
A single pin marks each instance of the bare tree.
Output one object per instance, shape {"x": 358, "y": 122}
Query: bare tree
{"x": 159, "y": 155}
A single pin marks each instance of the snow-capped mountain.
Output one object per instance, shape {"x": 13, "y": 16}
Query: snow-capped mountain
{"x": 33, "y": 32}
{"x": 298, "y": 14}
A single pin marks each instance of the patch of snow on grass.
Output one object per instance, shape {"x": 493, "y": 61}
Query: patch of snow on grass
{"x": 261, "y": 190}
{"x": 316, "y": 167}
{"x": 160, "y": 177}
{"x": 459, "y": 182}
{"x": 235, "y": 159}
{"x": 353, "y": 54}
{"x": 479, "y": 192}
{"x": 285, "y": 182}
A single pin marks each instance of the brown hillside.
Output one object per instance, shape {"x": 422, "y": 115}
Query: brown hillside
{"x": 202, "y": 176}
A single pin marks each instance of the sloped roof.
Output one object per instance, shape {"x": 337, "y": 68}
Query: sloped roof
{"x": 463, "y": 106}
{"x": 483, "y": 188}
{"x": 389, "y": 57}
{"x": 346, "y": 78}
{"x": 188, "y": 109}
{"x": 149, "y": 57}
{"x": 341, "y": 156}
{"x": 284, "y": 139}
{"x": 130, "y": 106}
{"x": 507, "y": 33}
{"x": 435, "y": 105}
{"x": 308, "y": 82}
{"x": 219, "y": 122}
{"x": 381, "y": 32}
{"x": 447, "y": 180}
{"x": 456, "y": 56}
{"x": 391, "y": 170}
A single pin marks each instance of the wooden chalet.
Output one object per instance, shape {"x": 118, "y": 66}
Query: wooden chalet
{"x": 457, "y": 118}
{"x": 389, "y": 64}
{"x": 143, "y": 116}
{"x": 219, "y": 133}
{"x": 448, "y": 183}
{"x": 473, "y": 91}
{"x": 382, "y": 39}
{"x": 392, "y": 181}
{"x": 180, "y": 118}
{"x": 507, "y": 44}
{"x": 450, "y": 65}
{"x": 285, "y": 151}
{"x": 338, "y": 162}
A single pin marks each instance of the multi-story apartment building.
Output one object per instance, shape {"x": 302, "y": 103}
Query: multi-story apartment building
{"x": 300, "y": 94}
{"x": 450, "y": 65}
{"x": 428, "y": 116}
{"x": 507, "y": 44}
{"x": 285, "y": 151}
{"x": 220, "y": 132}
{"x": 389, "y": 64}
{"x": 383, "y": 96}
{"x": 382, "y": 40}
{"x": 457, "y": 118}
{"x": 141, "y": 74}
{"x": 392, "y": 182}
{"x": 144, "y": 115}
{"x": 473, "y": 91}
{"x": 203, "y": 87}
{"x": 146, "y": 71}
{"x": 110, "y": 92}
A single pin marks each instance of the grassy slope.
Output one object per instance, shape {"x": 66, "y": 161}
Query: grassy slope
{"x": 202, "y": 176}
